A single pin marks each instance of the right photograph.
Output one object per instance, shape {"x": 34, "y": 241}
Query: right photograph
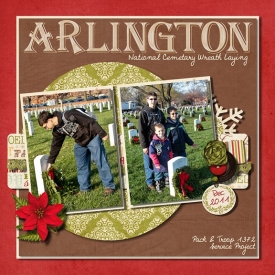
{"x": 166, "y": 126}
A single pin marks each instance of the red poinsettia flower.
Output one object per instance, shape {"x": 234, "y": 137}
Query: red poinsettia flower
{"x": 39, "y": 214}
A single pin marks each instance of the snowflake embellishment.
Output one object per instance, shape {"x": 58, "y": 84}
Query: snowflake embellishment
{"x": 222, "y": 123}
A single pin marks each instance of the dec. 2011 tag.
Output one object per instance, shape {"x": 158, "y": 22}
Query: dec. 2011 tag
{"x": 218, "y": 199}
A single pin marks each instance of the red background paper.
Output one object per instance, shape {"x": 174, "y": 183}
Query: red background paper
{"x": 264, "y": 9}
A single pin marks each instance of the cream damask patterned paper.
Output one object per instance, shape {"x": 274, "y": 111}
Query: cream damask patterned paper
{"x": 120, "y": 224}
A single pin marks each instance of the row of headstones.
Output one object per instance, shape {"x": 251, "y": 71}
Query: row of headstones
{"x": 184, "y": 109}
{"x": 136, "y": 113}
{"x": 41, "y": 164}
{"x": 132, "y": 132}
{"x": 99, "y": 105}
{"x": 192, "y": 112}
{"x": 197, "y": 107}
{"x": 28, "y": 114}
{"x": 131, "y": 113}
{"x": 201, "y": 118}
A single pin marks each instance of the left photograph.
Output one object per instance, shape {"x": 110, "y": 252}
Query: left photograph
{"x": 72, "y": 148}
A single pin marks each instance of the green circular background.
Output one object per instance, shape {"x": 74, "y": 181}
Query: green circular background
{"x": 119, "y": 224}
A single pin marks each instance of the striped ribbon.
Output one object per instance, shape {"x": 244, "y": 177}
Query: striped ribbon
{"x": 236, "y": 148}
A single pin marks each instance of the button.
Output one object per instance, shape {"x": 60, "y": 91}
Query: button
{"x": 218, "y": 169}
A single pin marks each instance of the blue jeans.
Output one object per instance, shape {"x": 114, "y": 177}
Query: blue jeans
{"x": 160, "y": 175}
{"x": 84, "y": 155}
{"x": 148, "y": 167}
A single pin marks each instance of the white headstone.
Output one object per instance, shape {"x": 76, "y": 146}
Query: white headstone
{"x": 91, "y": 107}
{"x": 196, "y": 121}
{"x": 201, "y": 117}
{"x": 30, "y": 128}
{"x": 40, "y": 165}
{"x": 132, "y": 133}
{"x": 130, "y": 125}
{"x": 173, "y": 165}
{"x": 109, "y": 105}
{"x": 182, "y": 118}
{"x": 100, "y": 107}
{"x": 27, "y": 116}
{"x": 112, "y": 139}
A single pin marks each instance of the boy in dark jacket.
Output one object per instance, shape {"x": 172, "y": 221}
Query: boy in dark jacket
{"x": 88, "y": 136}
{"x": 160, "y": 152}
{"x": 177, "y": 134}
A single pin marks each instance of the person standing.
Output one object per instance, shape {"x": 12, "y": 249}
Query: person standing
{"x": 177, "y": 134}
{"x": 160, "y": 151}
{"x": 149, "y": 116}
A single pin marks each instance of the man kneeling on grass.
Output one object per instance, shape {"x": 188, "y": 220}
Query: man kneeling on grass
{"x": 88, "y": 136}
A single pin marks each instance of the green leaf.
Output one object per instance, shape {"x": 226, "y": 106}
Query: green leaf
{"x": 19, "y": 202}
{"x": 31, "y": 236}
{"x": 20, "y": 226}
{"x": 62, "y": 214}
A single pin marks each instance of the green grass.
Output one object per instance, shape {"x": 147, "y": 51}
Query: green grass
{"x": 140, "y": 194}
{"x": 66, "y": 173}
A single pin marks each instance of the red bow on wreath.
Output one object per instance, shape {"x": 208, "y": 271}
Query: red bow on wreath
{"x": 51, "y": 173}
{"x": 183, "y": 176}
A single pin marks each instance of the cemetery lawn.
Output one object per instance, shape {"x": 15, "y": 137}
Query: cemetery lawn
{"x": 140, "y": 193}
{"x": 66, "y": 172}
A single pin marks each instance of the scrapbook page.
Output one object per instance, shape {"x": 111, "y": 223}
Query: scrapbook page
{"x": 172, "y": 103}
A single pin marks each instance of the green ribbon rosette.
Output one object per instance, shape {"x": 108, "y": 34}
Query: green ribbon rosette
{"x": 215, "y": 153}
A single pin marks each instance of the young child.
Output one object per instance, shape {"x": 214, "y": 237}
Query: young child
{"x": 177, "y": 134}
{"x": 160, "y": 152}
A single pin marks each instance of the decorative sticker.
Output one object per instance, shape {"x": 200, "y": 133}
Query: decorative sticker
{"x": 17, "y": 162}
{"x": 218, "y": 199}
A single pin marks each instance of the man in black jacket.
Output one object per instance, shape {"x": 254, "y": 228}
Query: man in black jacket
{"x": 149, "y": 116}
{"x": 88, "y": 136}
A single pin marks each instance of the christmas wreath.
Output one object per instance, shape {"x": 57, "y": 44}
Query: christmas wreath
{"x": 199, "y": 127}
{"x": 186, "y": 182}
{"x": 135, "y": 140}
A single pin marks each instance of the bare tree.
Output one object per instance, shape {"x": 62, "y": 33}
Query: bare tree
{"x": 193, "y": 91}
{"x": 163, "y": 91}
